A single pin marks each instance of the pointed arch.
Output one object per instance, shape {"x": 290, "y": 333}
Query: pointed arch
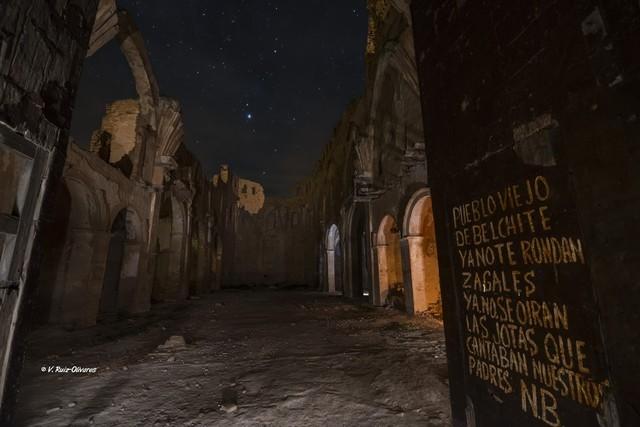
{"x": 422, "y": 281}
{"x": 390, "y": 276}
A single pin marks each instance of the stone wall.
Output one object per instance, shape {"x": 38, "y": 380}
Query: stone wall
{"x": 71, "y": 284}
{"x": 42, "y": 49}
{"x": 328, "y": 190}
{"x": 373, "y": 169}
{"x": 532, "y": 113}
{"x": 251, "y": 196}
{"x": 224, "y": 213}
{"x": 272, "y": 245}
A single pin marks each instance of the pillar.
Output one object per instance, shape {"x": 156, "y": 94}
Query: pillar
{"x": 129, "y": 279}
{"x": 414, "y": 273}
{"x": 331, "y": 270}
{"x": 383, "y": 274}
{"x": 77, "y": 304}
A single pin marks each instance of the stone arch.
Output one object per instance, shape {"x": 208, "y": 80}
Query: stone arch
{"x": 72, "y": 253}
{"x": 122, "y": 265}
{"x": 395, "y": 114}
{"x": 358, "y": 255}
{"x": 420, "y": 260}
{"x": 135, "y": 223}
{"x": 87, "y": 211}
{"x": 334, "y": 259}
{"x": 169, "y": 251}
{"x": 112, "y": 23}
{"x": 390, "y": 276}
{"x": 170, "y": 128}
{"x": 397, "y": 60}
{"x": 127, "y": 137}
{"x": 410, "y": 206}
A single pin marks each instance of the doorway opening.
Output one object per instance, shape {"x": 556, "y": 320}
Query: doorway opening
{"x": 390, "y": 264}
{"x": 334, "y": 260}
{"x": 423, "y": 284}
{"x": 360, "y": 260}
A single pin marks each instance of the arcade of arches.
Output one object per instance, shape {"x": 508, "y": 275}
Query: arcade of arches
{"x": 200, "y": 300}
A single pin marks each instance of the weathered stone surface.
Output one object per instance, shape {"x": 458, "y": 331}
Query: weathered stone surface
{"x": 42, "y": 46}
{"x": 251, "y": 196}
{"x": 521, "y": 96}
{"x": 272, "y": 245}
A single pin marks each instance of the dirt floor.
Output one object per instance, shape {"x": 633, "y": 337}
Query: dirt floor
{"x": 249, "y": 358}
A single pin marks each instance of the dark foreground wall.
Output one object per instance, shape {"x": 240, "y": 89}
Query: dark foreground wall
{"x": 532, "y": 121}
{"x": 42, "y": 49}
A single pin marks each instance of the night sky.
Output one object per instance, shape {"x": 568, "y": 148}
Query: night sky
{"x": 262, "y": 83}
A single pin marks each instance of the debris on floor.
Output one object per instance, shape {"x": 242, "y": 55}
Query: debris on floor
{"x": 284, "y": 358}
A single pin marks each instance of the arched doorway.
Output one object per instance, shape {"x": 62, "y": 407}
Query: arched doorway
{"x": 75, "y": 248}
{"x": 119, "y": 285}
{"x": 170, "y": 243}
{"x": 109, "y": 297}
{"x": 390, "y": 275}
{"x": 422, "y": 281}
{"x": 334, "y": 260}
{"x": 359, "y": 253}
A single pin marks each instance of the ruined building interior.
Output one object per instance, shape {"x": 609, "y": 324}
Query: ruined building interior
{"x": 462, "y": 249}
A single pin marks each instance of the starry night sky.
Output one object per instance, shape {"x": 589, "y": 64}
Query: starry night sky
{"x": 262, "y": 83}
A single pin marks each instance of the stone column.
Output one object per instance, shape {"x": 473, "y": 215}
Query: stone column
{"x": 374, "y": 292}
{"x": 414, "y": 273}
{"x": 331, "y": 270}
{"x": 129, "y": 278}
{"x": 383, "y": 274}
{"x": 184, "y": 283}
{"x": 76, "y": 306}
{"x": 100, "y": 246}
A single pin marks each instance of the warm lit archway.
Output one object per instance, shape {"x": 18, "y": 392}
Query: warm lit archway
{"x": 391, "y": 286}
{"x": 419, "y": 241}
{"x": 334, "y": 260}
